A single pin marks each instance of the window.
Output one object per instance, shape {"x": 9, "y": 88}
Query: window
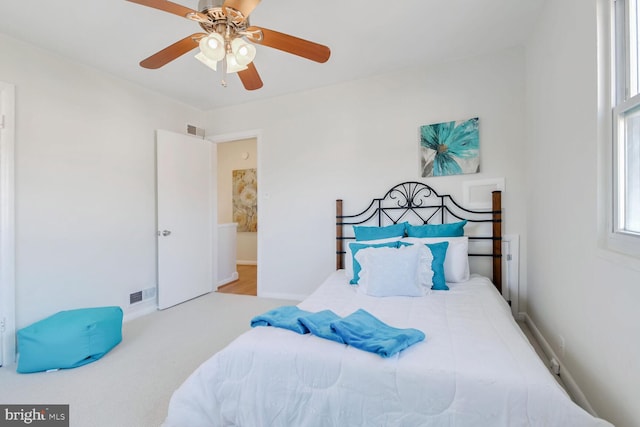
{"x": 626, "y": 121}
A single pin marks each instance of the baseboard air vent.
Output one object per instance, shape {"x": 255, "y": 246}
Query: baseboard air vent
{"x": 142, "y": 295}
{"x": 135, "y": 297}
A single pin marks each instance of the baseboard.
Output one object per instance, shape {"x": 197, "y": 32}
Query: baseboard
{"x": 572, "y": 387}
{"x": 246, "y": 262}
{"x": 234, "y": 276}
{"x": 143, "y": 308}
{"x": 278, "y": 295}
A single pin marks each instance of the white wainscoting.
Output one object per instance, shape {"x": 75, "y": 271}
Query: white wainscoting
{"x": 227, "y": 249}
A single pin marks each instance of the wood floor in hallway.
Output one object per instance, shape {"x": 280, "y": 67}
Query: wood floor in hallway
{"x": 247, "y": 283}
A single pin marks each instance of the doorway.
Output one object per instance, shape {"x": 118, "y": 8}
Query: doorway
{"x": 238, "y": 160}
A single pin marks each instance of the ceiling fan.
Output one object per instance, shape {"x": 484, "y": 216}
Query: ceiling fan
{"x": 226, "y": 32}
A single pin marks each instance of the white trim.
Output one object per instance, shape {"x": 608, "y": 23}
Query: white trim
{"x": 213, "y": 203}
{"x": 623, "y": 243}
{"x": 235, "y": 136}
{"x": 234, "y": 276}
{"x": 572, "y": 387}
{"x": 520, "y": 317}
{"x": 613, "y": 247}
{"x": 228, "y": 225}
{"x": 142, "y": 309}
{"x": 7, "y": 224}
{"x": 286, "y": 296}
{"x": 511, "y": 271}
{"x": 469, "y": 186}
{"x": 618, "y": 258}
{"x": 614, "y": 102}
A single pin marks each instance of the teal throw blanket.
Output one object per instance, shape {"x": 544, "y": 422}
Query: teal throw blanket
{"x": 282, "y": 317}
{"x": 364, "y": 331}
{"x": 319, "y": 324}
{"x": 360, "y": 329}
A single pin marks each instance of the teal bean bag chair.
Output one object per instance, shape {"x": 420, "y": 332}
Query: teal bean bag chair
{"x": 69, "y": 339}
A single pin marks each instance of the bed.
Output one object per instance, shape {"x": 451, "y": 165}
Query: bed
{"x": 474, "y": 366}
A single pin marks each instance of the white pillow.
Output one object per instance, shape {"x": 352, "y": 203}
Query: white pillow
{"x": 348, "y": 256}
{"x": 456, "y": 262}
{"x": 394, "y": 271}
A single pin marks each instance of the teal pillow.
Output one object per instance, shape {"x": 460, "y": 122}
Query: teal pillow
{"x": 439, "y": 252}
{"x": 363, "y": 233}
{"x": 355, "y": 247}
{"x": 69, "y": 339}
{"x": 454, "y": 229}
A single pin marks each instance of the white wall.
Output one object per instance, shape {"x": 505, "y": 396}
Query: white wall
{"x": 85, "y": 182}
{"x": 356, "y": 140}
{"x": 230, "y": 159}
{"x": 576, "y": 289}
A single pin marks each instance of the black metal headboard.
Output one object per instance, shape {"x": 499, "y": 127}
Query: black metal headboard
{"x": 418, "y": 203}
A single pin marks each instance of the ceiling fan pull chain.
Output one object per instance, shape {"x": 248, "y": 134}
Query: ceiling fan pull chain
{"x": 223, "y": 82}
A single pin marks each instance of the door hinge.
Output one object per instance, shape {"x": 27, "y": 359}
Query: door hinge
{"x": 509, "y": 257}
{"x": 1, "y": 121}
{"x": 3, "y": 323}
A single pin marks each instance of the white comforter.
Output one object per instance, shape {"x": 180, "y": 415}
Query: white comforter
{"x": 475, "y": 368}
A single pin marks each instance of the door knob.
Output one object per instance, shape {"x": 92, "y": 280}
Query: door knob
{"x": 164, "y": 233}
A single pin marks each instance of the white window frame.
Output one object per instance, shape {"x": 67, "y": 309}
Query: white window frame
{"x": 7, "y": 225}
{"x": 619, "y": 239}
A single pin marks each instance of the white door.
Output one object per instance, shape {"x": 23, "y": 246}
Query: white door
{"x": 7, "y": 229}
{"x": 186, "y": 182}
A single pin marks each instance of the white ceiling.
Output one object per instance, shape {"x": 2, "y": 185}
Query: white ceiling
{"x": 366, "y": 37}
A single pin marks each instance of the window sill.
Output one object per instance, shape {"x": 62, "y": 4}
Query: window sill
{"x": 621, "y": 252}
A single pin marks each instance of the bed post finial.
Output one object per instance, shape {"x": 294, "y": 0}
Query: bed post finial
{"x": 339, "y": 249}
{"x": 497, "y": 238}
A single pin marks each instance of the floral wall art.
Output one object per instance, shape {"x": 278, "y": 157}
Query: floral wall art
{"x": 450, "y": 148}
{"x": 245, "y": 199}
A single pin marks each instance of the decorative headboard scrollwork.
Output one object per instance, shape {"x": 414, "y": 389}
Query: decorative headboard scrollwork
{"x": 419, "y": 203}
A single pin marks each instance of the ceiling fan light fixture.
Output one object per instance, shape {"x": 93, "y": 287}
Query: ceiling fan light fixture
{"x": 227, "y": 36}
{"x": 243, "y": 52}
{"x": 206, "y": 61}
{"x": 232, "y": 65}
{"x": 212, "y": 46}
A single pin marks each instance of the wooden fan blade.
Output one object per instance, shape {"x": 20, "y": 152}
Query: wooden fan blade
{"x": 174, "y": 8}
{"x": 170, "y": 53}
{"x": 243, "y": 6}
{"x": 250, "y": 78}
{"x": 304, "y": 48}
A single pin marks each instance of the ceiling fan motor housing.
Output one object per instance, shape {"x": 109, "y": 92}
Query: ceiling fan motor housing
{"x": 220, "y": 20}
{"x": 205, "y": 5}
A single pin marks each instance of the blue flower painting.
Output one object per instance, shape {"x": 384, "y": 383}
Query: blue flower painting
{"x": 450, "y": 148}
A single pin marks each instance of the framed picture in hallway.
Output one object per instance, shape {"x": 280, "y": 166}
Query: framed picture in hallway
{"x": 245, "y": 199}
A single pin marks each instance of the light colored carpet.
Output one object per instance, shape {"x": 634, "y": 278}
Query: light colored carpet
{"x": 131, "y": 385}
